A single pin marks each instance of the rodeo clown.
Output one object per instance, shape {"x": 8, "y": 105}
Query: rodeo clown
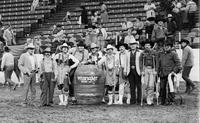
{"x": 65, "y": 63}
{"x": 148, "y": 63}
{"x": 94, "y": 55}
{"x": 48, "y": 75}
{"x": 122, "y": 73}
{"x": 168, "y": 63}
{"x": 110, "y": 63}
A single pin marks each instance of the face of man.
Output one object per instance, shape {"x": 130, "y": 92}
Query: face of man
{"x": 160, "y": 23}
{"x": 122, "y": 49}
{"x": 167, "y": 48}
{"x": 110, "y": 51}
{"x": 183, "y": 44}
{"x": 133, "y": 46}
{"x": 147, "y": 46}
{"x": 64, "y": 49}
{"x": 94, "y": 50}
{"x": 47, "y": 55}
{"x": 31, "y": 51}
{"x": 80, "y": 48}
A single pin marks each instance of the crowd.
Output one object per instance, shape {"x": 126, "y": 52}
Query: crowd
{"x": 135, "y": 62}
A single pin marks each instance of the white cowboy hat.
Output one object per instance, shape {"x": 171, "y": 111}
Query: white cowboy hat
{"x": 169, "y": 16}
{"x": 93, "y": 45}
{"x": 64, "y": 45}
{"x": 30, "y": 46}
{"x": 109, "y": 47}
{"x": 133, "y": 41}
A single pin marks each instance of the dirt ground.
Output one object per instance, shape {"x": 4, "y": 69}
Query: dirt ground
{"x": 11, "y": 111}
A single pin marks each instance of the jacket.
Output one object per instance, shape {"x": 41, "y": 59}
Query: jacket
{"x": 168, "y": 62}
{"x": 24, "y": 63}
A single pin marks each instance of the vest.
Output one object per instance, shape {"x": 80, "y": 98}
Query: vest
{"x": 132, "y": 59}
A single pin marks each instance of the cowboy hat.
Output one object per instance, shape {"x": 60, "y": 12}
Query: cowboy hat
{"x": 169, "y": 16}
{"x": 133, "y": 41}
{"x": 93, "y": 45}
{"x": 122, "y": 44}
{"x": 81, "y": 44}
{"x": 64, "y": 45}
{"x": 30, "y": 46}
{"x": 147, "y": 42}
{"x": 109, "y": 47}
{"x": 185, "y": 40}
{"x": 47, "y": 50}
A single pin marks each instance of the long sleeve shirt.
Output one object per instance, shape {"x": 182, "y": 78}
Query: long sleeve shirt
{"x": 7, "y": 60}
{"x": 150, "y": 10}
{"x": 187, "y": 56}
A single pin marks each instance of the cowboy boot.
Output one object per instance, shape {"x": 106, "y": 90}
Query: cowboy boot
{"x": 61, "y": 96}
{"x": 110, "y": 97}
{"x": 116, "y": 99}
{"x": 120, "y": 99}
{"x": 128, "y": 99}
{"x": 65, "y": 100}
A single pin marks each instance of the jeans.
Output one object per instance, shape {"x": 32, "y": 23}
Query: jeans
{"x": 185, "y": 76}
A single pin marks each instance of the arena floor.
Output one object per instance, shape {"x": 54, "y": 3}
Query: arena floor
{"x": 11, "y": 111}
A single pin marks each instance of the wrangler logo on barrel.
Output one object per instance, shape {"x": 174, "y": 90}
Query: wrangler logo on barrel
{"x": 87, "y": 79}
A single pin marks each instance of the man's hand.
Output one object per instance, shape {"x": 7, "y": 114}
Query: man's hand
{"x": 154, "y": 72}
{"x": 142, "y": 73}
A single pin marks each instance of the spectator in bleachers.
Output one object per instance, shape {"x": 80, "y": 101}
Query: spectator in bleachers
{"x": 95, "y": 18}
{"x": 159, "y": 33}
{"x": 171, "y": 27}
{"x": 127, "y": 24}
{"x": 1, "y": 33}
{"x": 138, "y": 25}
{"x": 104, "y": 13}
{"x": 150, "y": 8}
{"x": 129, "y": 38}
{"x": 192, "y": 8}
{"x": 149, "y": 26}
{"x": 67, "y": 17}
{"x": 9, "y": 36}
{"x": 184, "y": 13}
{"x": 1, "y": 23}
{"x": 58, "y": 32}
{"x": 84, "y": 16}
{"x": 102, "y": 36}
{"x": 176, "y": 7}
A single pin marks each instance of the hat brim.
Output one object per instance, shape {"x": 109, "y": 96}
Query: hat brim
{"x": 147, "y": 42}
{"x": 124, "y": 45}
{"x": 47, "y": 52}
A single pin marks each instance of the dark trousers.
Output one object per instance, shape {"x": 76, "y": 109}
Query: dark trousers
{"x": 163, "y": 90}
{"x": 191, "y": 18}
{"x": 135, "y": 83}
{"x": 8, "y": 73}
{"x": 47, "y": 88}
{"x": 185, "y": 76}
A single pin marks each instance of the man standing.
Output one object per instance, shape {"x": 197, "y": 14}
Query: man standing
{"x": 29, "y": 67}
{"x": 133, "y": 72}
{"x": 169, "y": 62}
{"x": 7, "y": 65}
{"x": 148, "y": 61}
{"x": 150, "y": 9}
{"x": 48, "y": 75}
{"x": 187, "y": 64}
{"x": 8, "y": 36}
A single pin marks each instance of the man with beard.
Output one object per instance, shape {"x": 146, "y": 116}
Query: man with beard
{"x": 148, "y": 61}
{"x": 168, "y": 62}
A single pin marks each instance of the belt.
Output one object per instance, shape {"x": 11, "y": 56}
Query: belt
{"x": 150, "y": 67}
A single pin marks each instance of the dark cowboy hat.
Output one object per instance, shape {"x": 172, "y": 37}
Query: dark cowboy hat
{"x": 147, "y": 42}
{"x": 168, "y": 43}
{"x": 185, "y": 40}
{"x": 122, "y": 44}
{"x": 151, "y": 19}
{"x": 81, "y": 43}
{"x": 47, "y": 50}
{"x": 160, "y": 19}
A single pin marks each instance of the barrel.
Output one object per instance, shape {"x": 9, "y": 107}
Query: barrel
{"x": 89, "y": 83}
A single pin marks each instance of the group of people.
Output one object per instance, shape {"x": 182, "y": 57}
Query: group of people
{"x": 130, "y": 71}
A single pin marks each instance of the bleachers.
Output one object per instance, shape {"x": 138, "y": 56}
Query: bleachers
{"x": 18, "y": 14}
{"x": 117, "y": 10}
